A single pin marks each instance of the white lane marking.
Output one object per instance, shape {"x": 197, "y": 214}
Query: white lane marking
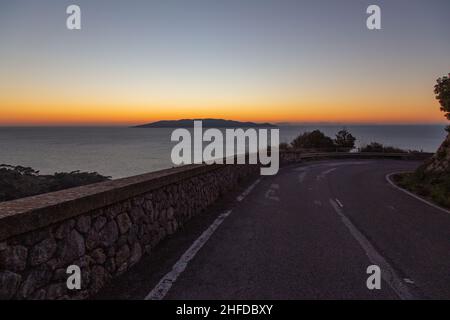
{"x": 345, "y": 163}
{"x": 329, "y": 171}
{"x": 306, "y": 167}
{"x": 325, "y": 173}
{"x": 247, "y": 191}
{"x": 164, "y": 285}
{"x": 302, "y": 176}
{"x": 318, "y": 203}
{"x": 339, "y": 203}
{"x": 389, "y": 180}
{"x": 388, "y": 273}
{"x": 333, "y": 164}
{"x": 270, "y": 194}
{"x": 407, "y": 280}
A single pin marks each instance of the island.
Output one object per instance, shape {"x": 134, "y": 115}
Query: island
{"x": 207, "y": 123}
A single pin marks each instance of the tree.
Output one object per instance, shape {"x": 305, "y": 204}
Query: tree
{"x": 373, "y": 147}
{"x": 314, "y": 140}
{"x": 284, "y": 146}
{"x": 442, "y": 91}
{"x": 344, "y": 141}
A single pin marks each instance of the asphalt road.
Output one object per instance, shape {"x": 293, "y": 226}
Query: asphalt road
{"x": 309, "y": 232}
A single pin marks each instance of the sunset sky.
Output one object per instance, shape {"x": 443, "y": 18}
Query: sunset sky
{"x": 258, "y": 60}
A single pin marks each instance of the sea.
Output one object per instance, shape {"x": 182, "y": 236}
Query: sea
{"x": 122, "y": 151}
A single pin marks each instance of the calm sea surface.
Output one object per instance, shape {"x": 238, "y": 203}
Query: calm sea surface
{"x": 121, "y": 152}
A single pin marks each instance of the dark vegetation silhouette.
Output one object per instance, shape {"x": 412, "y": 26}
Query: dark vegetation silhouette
{"x": 314, "y": 141}
{"x": 442, "y": 91}
{"x": 19, "y": 182}
{"x": 317, "y": 141}
{"x": 432, "y": 179}
{"x": 344, "y": 141}
{"x": 378, "y": 147}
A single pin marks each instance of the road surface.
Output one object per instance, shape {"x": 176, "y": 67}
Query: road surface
{"x": 309, "y": 232}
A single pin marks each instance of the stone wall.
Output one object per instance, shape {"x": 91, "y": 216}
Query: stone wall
{"x": 103, "y": 228}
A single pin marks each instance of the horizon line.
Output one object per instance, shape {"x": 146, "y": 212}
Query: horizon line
{"x": 279, "y": 123}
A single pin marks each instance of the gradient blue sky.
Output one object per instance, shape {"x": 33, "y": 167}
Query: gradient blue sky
{"x": 280, "y": 60}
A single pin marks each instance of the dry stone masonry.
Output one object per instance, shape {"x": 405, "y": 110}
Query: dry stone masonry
{"x": 107, "y": 240}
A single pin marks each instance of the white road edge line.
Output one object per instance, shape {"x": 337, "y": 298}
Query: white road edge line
{"x": 247, "y": 191}
{"x": 387, "y": 272}
{"x": 325, "y": 173}
{"x": 389, "y": 180}
{"x": 164, "y": 285}
{"x": 329, "y": 171}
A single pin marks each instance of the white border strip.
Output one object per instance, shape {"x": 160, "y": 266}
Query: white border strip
{"x": 387, "y": 271}
{"x": 247, "y": 191}
{"x": 164, "y": 285}
{"x": 389, "y": 180}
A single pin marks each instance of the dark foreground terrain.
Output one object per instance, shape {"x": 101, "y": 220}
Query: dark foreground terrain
{"x": 19, "y": 182}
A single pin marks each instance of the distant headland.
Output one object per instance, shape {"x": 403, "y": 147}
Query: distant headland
{"x": 207, "y": 123}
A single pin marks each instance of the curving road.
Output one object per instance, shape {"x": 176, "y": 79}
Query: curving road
{"x": 308, "y": 233}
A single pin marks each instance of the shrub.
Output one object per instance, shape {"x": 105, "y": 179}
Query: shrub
{"x": 315, "y": 140}
{"x": 378, "y": 147}
{"x": 432, "y": 186}
{"x": 344, "y": 141}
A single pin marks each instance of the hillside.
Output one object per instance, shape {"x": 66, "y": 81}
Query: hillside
{"x": 440, "y": 162}
{"x": 207, "y": 123}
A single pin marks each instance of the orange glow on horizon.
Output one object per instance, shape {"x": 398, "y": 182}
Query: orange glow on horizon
{"x": 102, "y": 115}
{"x": 46, "y": 108}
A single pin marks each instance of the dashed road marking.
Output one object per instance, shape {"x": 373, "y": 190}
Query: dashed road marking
{"x": 339, "y": 203}
{"x": 272, "y": 191}
{"x": 388, "y": 273}
{"x": 270, "y": 194}
{"x": 301, "y": 176}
